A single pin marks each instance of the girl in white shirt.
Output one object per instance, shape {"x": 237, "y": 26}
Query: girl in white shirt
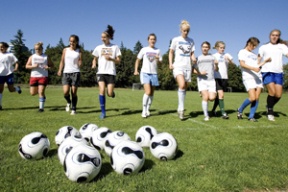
{"x": 71, "y": 61}
{"x": 182, "y": 51}
{"x": 39, "y": 63}
{"x": 106, "y": 55}
{"x": 272, "y": 72}
{"x": 7, "y": 62}
{"x": 251, "y": 76}
{"x": 149, "y": 78}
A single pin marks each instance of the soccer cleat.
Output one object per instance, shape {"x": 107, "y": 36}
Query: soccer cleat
{"x": 41, "y": 110}
{"x": 181, "y": 115}
{"x": 73, "y": 112}
{"x": 239, "y": 114}
{"x": 102, "y": 116}
{"x": 252, "y": 120}
{"x": 206, "y": 118}
{"x": 271, "y": 117}
{"x": 148, "y": 113}
{"x": 214, "y": 113}
{"x": 67, "y": 108}
{"x": 113, "y": 95}
{"x": 19, "y": 90}
{"x": 144, "y": 115}
{"x": 225, "y": 116}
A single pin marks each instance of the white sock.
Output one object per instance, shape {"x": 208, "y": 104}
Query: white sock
{"x": 181, "y": 99}
{"x": 150, "y": 99}
{"x": 16, "y": 88}
{"x": 0, "y": 99}
{"x": 144, "y": 102}
{"x": 205, "y": 108}
{"x": 41, "y": 102}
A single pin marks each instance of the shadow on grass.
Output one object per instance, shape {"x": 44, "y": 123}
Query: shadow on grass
{"x": 106, "y": 169}
{"x": 179, "y": 154}
{"x": 52, "y": 152}
{"x": 148, "y": 165}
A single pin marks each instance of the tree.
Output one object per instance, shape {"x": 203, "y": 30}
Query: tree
{"x": 285, "y": 70}
{"x": 235, "y": 78}
{"x": 137, "y": 48}
{"x": 22, "y": 53}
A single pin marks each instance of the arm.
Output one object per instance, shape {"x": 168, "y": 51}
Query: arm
{"x": 117, "y": 60}
{"x": 61, "y": 63}
{"x": 16, "y": 66}
{"x": 50, "y": 64}
{"x": 216, "y": 66}
{"x": 171, "y": 55}
{"x": 136, "y": 67}
{"x": 94, "y": 62}
{"x": 29, "y": 64}
{"x": 193, "y": 58}
{"x": 260, "y": 64}
{"x": 80, "y": 59}
{"x": 244, "y": 65}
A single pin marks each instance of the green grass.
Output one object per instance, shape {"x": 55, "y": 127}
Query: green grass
{"x": 219, "y": 155}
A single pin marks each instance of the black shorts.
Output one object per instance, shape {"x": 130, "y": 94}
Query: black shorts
{"x": 108, "y": 79}
{"x": 72, "y": 79}
{"x": 221, "y": 84}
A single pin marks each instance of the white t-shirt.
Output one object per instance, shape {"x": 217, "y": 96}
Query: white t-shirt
{"x": 105, "y": 66}
{"x": 71, "y": 61}
{"x": 149, "y": 61}
{"x": 182, "y": 51}
{"x": 206, "y": 63}
{"x": 40, "y": 71}
{"x": 223, "y": 63}
{"x": 275, "y": 52}
{"x": 250, "y": 59}
{"x": 7, "y": 60}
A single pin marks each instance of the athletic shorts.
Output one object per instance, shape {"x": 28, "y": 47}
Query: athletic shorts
{"x": 9, "y": 79}
{"x": 35, "y": 81}
{"x": 186, "y": 73}
{"x": 206, "y": 85}
{"x": 72, "y": 79}
{"x": 269, "y": 77}
{"x": 147, "y": 78}
{"x": 108, "y": 79}
{"x": 252, "y": 83}
{"x": 221, "y": 84}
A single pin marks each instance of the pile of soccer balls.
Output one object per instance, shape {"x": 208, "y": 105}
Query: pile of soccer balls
{"x": 78, "y": 151}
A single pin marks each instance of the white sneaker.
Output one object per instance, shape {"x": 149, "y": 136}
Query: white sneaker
{"x": 271, "y": 117}
{"x": 181, "y": 115}
{"x": 73, "y": 112}
{"x": 67, "y": 108}
{"x": 148, "y": 113}
{"x": 144, "y": 115}
{"x": 206, "y": 118}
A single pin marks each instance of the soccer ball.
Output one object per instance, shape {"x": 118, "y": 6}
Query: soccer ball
{"x": 64, "y": 132}
{"x": 163, "y": 146}
{"x": 34, "y": 146}
{"x": 82, "y": 163}
{"x": 144, "y": 135}
{"x": 127, "y": 157}
{"x": 68, "y": 144}
{"x": 113, "y": 139}
{"x": 87, "y": 129}
{"x": 99, "y": 137}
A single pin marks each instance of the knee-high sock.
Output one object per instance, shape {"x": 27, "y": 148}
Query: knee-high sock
{"x": 270, "y": 104}
{"x": 181, "y": 99}
{"x": 42, "y": 102}
{"x": 221, "y": 105}
{"x": 253, "y": 109}
{"x": 216, "y": 103}
{"x": 150, "y": 99}
{"x": 205, "y": 108}
{"x": 145, "y": 102}
{"x": 102, "y": 102}
{"x": 244, "y": 105}
{"x": 67, "y": 98}
{"x": 74, "y": 102}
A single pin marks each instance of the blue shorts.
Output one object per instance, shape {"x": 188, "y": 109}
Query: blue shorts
{"x": 9, "y": 79}
{"x": 147, "y": 78}
{"x": 269, "y": 77}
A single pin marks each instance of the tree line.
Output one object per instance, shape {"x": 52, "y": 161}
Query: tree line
{"x": 124, "y": 78}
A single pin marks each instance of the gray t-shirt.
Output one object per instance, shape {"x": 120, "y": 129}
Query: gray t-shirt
{"x": 206, "y": 63}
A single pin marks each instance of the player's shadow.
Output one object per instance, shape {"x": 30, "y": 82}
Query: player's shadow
{"x": 131, "y": 112}
{"x": 276, "y": 113}
{"x": 167, "y": 112}
{"x": 194, "y": 114}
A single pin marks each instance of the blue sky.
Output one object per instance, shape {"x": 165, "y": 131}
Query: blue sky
{"x": 232, "y": 21}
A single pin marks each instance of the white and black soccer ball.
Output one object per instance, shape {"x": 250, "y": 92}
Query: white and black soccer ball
{"x": 68, "y": 144}
{"x": 144, "y": 135}
{"x": 82, "y": 163}
{"x": 87, "y": 129}
{"x": 163, "y": 146}
{"x": 34, "y": 146}
{"x": 99, "y": 137}
{"x": 64, "y": 132}
{"x": 127, "y": 157}
{"x": 113, "y": 139}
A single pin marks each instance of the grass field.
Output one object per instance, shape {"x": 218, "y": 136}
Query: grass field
{"x": 219, "y": 155}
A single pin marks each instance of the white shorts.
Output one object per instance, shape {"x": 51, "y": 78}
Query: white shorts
{"x": 180, "y": 71}
{"x": 206, "y": 85}
{"x": 252, "y": 83}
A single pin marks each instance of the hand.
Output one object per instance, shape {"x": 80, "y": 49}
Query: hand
{"x": 136, "y": 73}
{"x": 93, "y": 66}
{"x": 59, "y": 73}
{"x": 171, "y": 66}
{"x": 268, "y": 60}
{"x": 256, "y": 69}
{"x": 203, "y": 73}
{"x": 108, "y": 58}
